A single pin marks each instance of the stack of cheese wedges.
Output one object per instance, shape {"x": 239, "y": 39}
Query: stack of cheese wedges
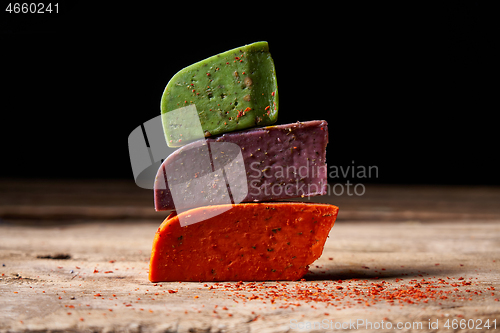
{"x": 229, "y": 184}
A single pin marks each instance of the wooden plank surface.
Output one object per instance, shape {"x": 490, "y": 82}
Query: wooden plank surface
{"x": 401, "y": 254}
{"x": 54, "y": 200}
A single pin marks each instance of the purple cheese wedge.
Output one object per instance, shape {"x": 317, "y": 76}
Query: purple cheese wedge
{"x": 263, "y": 164}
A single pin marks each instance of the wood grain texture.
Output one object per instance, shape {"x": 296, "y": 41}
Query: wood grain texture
{"x": 392, "y": 234}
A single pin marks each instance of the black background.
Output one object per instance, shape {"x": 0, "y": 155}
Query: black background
{"x": 410, "y": 89}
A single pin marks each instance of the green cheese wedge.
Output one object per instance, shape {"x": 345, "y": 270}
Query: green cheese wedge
{"x": 230, "y": 91}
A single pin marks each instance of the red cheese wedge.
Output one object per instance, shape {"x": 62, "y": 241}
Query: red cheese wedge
{"x": 242, "y": 242}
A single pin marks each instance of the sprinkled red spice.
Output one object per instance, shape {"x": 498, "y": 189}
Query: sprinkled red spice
{"x": 355, "y": 292}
